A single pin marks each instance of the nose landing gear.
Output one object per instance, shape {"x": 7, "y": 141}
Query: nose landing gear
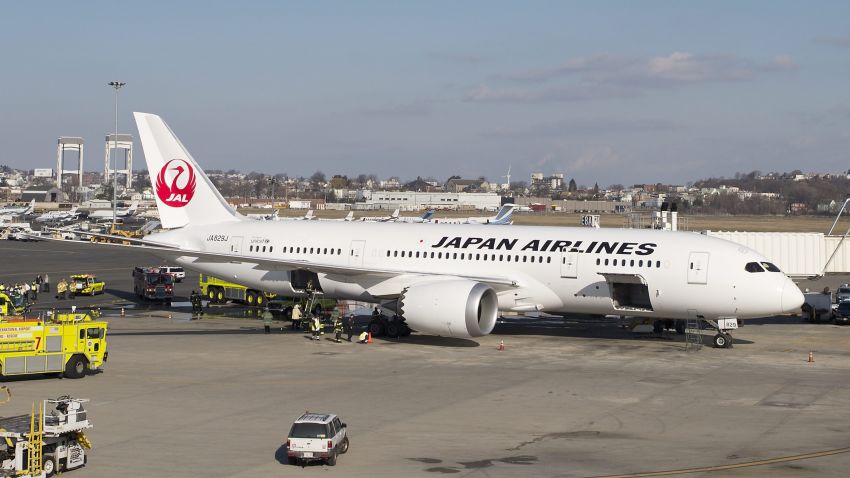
{"x": 723, "y": 339}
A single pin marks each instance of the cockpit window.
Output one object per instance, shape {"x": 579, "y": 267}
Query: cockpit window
{"x": 770, "y": 267}
{"x": 753, "y": 267}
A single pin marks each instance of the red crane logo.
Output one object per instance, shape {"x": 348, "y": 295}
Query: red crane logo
{"x": 175, "y": 195}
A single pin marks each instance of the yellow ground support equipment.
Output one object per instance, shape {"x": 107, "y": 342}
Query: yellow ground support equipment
{"x": 49, "y": 440}
{"x": 220, "y": 291}
{"x": 70, "y": 344}
{"x": 12, "y": 303}
{"x": 86, "y": 284}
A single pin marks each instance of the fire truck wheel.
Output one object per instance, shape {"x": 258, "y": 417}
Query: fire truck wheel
{"x": 219, "y": 295}
{"x": 76, "y": 367}
{"x": 211, "y": 294}
{"x": 250, "y": 298}
{"x": 49, "y": 464}
{"x": 260, "y": 299}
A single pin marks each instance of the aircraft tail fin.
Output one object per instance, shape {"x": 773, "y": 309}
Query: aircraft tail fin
{"x": 350, "y": 216}
{"x": 428, "y": 215}
{"x": 504, "y": 215}
{"x": 184, "y": 194}
{"x": 309, "y": 216}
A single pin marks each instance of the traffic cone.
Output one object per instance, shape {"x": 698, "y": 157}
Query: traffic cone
{"x": 811, "y": 358}
{"x": 369, "y": 340}
{"x": 501, "y": 345}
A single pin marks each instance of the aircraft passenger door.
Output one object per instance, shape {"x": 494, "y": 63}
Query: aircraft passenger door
{"x": 569, "y": 264}
{"x": 236, "y": 244}
{"x": 355, "y": 253}
{"x": 698, "y": 268}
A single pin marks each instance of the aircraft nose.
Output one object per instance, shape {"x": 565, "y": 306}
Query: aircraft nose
{"x": 792, "y": 297}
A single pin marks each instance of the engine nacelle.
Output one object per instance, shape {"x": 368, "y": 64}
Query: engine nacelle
{"x": 451, "y": 308}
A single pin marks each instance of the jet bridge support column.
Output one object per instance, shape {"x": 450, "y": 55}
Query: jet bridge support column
{"x": 67, "y": 143}
{"x": 119, "y": 142}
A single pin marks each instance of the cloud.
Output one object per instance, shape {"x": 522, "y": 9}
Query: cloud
{"x": 456, "y": 57}
{"x": 585, "y": 127}
{"x": 842, "y": 41}
{"x": 567, "y": 93}
{"x": 415, "y": 108}
{"x": 605, "y": 76}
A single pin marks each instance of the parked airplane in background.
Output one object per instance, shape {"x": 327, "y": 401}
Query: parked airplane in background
{"x": 452, "y": 280}
{"x": 426, "y": 217}
{"x": 18, "y": 211}
{"x": 58, "y": 217}
{"x": 102, "y": 214}
{"x": 504, "y": 216}
{"x": 391, "y": 218}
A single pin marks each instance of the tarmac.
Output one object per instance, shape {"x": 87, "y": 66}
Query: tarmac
{"x": 215, "y": 397}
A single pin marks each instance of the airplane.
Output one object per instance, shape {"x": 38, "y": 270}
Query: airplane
{"x": 102, "y": 214}
{"x": 18, "y": 211}
{"x": 502, "y": 217}
{"x": 59, "y": 216}
{"x": 426, "y": 217}
{"x": 391, "y": 218}
{"x": 453, "y": 280}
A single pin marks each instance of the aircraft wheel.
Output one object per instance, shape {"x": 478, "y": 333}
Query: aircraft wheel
{"x": 680, "y": 327}
{"x": 376, "y": 328}
{"x": 393, "y": 330}
{"x": 721, "y": 341}
{"x": 658, "y": 326}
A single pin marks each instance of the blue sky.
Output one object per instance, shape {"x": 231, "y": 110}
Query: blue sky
{"x": 614, "y": 92}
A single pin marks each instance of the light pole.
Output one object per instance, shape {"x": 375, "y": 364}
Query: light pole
{"x": 117, "y": 86}
{"x": 272, "y": 181}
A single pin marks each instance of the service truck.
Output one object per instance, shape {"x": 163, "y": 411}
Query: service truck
{"x": 50, "y": 440}
{"x": 818, "y": 305}
{"x": 68, "y": 344}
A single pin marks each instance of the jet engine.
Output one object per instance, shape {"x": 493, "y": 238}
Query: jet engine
{"x": 452, "y": 308}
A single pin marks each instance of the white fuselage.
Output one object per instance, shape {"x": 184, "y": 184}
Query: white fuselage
{"x": 554, "y": 269}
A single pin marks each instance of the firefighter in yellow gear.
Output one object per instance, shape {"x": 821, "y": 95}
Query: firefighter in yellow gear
{"x": 61, "y": 288}
{"x": 337, "y": 330}
{"x": 316, "y": 327}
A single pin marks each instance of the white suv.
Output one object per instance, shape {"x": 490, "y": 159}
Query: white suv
{"x": 316, "y": 437}
{"x": 178, "y": 272}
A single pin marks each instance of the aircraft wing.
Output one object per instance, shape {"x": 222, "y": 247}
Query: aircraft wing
{"x": 268, "y": 263}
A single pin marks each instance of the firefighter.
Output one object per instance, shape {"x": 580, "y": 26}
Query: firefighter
{"x": 316, "y": 326}
{"x": 296, "y": 317}
{"x": 34, "y": 290}
{"x": 267, "y": 320}
{"x": 337, "y": 330}
{"x": 363, "y": 338}
{"x": 60, "y": 289}
{"x": 46, "y": 280}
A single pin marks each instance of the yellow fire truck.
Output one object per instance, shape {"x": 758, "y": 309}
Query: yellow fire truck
{"x": 70, "y": 344}
{"x": 220, "y": 291}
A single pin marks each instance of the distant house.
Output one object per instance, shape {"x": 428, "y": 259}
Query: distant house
{"x": 461, "y": 185}
{"x": 50, "y": 195}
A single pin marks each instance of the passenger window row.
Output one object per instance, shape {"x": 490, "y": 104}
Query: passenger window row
{"x": 463, "y": 256}
{"x": 627, "y": 262}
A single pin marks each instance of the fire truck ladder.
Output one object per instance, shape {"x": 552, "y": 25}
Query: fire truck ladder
{"x": 34, "y": 447}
